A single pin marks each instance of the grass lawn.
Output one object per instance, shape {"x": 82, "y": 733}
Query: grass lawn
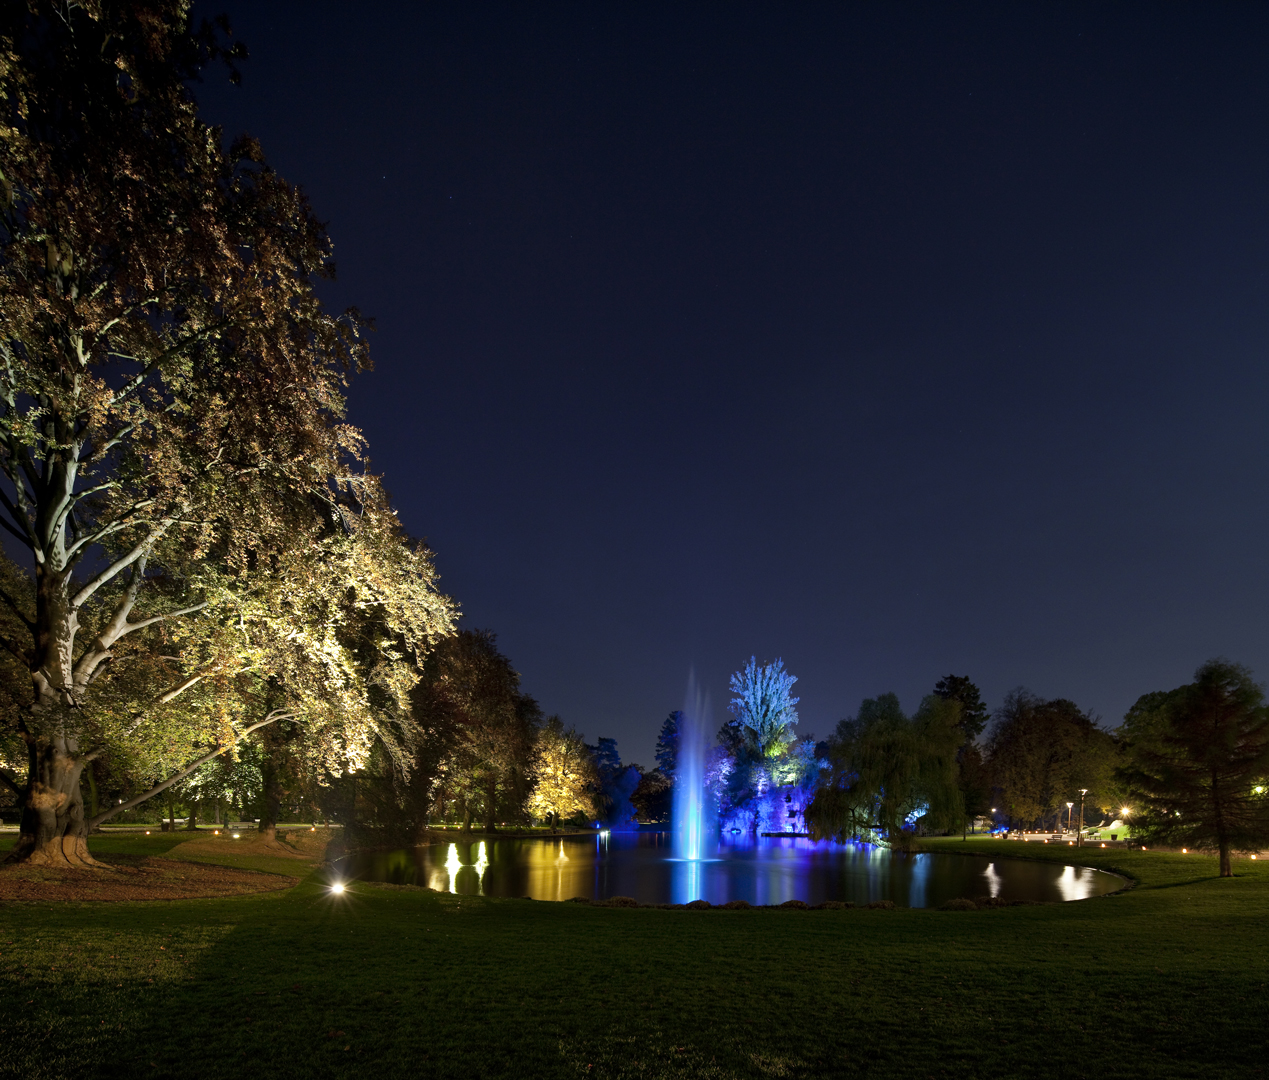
{"x": 1165, "y": 980}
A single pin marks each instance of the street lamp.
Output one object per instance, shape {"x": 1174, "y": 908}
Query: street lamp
{"x": 1079, "y": 836}
{"x": 1068, "y": 816}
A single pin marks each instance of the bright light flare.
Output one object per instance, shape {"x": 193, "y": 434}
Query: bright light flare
{"x": 236, "y": 836}
{"x": 1124, "y": 811}
{"x": 337, "y": 887}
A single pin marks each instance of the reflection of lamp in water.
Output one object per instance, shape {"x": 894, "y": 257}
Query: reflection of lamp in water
{"x": 482, "y": 863}
{"x": 452, "y": 865}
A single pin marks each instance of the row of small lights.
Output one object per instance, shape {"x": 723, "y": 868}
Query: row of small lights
{"x": 337, "y": 887}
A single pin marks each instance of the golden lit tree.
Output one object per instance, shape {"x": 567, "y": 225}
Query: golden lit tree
{"x": 564, "y": 776}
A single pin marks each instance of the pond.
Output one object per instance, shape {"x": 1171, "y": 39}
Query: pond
{"x": 761, "y": 870}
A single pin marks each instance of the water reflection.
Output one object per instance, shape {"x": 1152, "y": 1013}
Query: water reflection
{"x": 761, "y": 870}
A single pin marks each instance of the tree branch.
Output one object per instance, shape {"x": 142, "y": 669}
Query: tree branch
{"x": 8, "y": 782}
{"x": 120, "y": 523}
{"x": 128, "y": 628}
{"x": 120, "y": 564}
{"x": 171, "y": 695}
{"x": 21, "y": 536}
{"x": 4, "y": 595}
{"x": 159, "y": 788}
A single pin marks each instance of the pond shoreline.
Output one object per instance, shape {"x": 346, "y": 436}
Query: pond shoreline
{"x": 761, "y": 871}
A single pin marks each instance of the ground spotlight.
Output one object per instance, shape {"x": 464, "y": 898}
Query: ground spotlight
{"x": 337, "y": 887}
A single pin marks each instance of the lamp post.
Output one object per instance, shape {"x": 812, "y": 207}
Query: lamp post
{"x": 1079, "y": 836}
{"x": 1068, "y": 816}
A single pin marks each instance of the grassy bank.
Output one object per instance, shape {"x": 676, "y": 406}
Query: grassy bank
{"x": 1167, "y": 979}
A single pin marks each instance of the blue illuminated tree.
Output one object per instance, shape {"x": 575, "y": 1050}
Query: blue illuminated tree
{"x": 763, "y": 712}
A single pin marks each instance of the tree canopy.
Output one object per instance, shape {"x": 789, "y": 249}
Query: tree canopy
{"x": 171, "y": 401}
{"x": 1198, "y": 763}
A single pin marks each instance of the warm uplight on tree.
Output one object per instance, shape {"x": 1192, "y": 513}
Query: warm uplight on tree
{"x": 338, "y": 887}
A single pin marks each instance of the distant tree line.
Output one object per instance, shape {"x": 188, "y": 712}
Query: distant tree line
{"x": 1187, "y": 766}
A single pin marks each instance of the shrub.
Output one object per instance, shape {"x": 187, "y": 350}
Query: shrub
{"x": 699, "y": 905}
{"x": 883, "y": 905}
{"x": 959, "y": 903}
{"x": 800, "y": 905}
{"x": 833, "y": 905}
{"x": 737, "y": 905}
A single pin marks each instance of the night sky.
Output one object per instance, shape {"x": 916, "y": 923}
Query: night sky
{"x": 892, "y": 340}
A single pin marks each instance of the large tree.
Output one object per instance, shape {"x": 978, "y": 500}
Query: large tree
{"x": 471, "y": 699}
{"x": 974, "y": 714}
{"x": 1199, "y": 763}
{"x": 972, "y": 772}
{"x": 170, "y": 384}
{"x": 1041, "y": 753}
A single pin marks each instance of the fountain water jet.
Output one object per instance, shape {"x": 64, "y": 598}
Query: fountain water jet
{"x": 689, "y": 779}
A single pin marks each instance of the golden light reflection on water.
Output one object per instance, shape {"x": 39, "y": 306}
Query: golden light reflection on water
{"x": 763, "y": 872}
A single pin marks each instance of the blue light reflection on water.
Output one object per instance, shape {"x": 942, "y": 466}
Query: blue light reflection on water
{"x": 761, "y": 870}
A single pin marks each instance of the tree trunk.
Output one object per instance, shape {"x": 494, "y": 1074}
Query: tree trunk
{"x": 466, "y": 816}
{"x": 193, "y": 817}
{"x": 92, "y": 790}
{"x": 1227, "y": 868}
{"x": 272, "y": 800}
{"x": 54, "y": 829}
{"x": 491, "y": 803}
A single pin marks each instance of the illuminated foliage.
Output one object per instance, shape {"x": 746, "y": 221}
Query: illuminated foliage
{"x": 565, "y": 780}
{"x": 763, "y": 709}
{"x": 171, "y": 398}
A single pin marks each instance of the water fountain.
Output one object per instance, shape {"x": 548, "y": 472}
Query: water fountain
{"x": 691, "y": 816}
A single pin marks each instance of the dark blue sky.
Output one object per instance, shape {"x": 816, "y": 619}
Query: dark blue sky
{"x": 893, "y": 340}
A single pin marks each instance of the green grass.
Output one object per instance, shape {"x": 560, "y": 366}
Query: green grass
{"x": 1165, "y": 980}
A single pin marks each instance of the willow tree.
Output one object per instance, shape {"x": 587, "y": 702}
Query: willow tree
{"x": 170, "y": 385}
{"x": 889, "y": 770}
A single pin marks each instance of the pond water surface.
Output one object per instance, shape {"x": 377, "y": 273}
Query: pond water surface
{"x": 761, "y": 870}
